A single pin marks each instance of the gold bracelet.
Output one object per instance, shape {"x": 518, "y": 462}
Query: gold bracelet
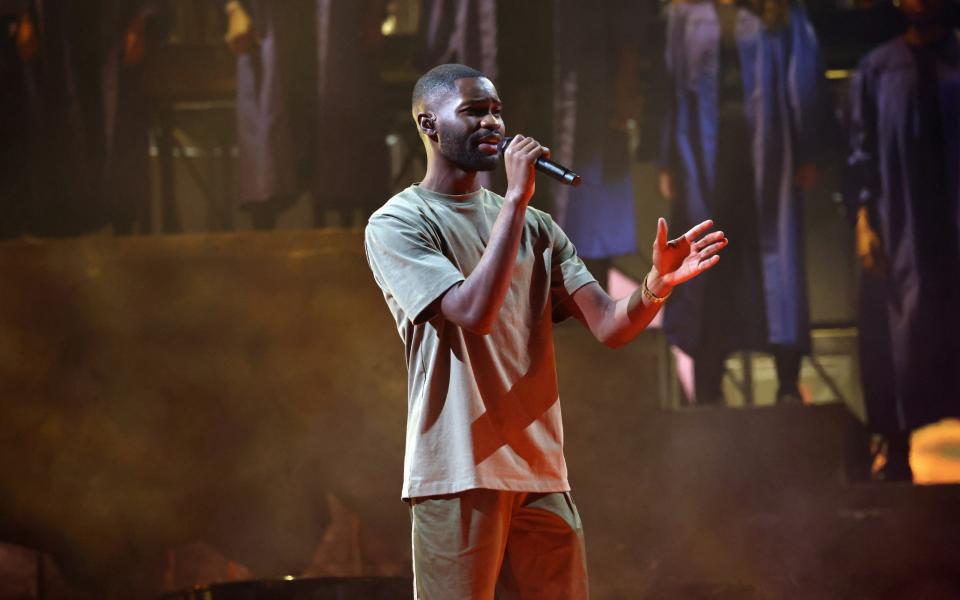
{"x": 653, "y": 298}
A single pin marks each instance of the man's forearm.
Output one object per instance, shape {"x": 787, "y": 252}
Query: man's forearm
{"x": 632, "y": 314}
{"x": 476, "y": 302}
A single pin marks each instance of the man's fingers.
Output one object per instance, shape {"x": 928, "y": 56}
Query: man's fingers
{"x": 515, "y": 143}
{"x": 533, "y": 149}
{"x": 712, "y": 249}
{"x": 698, "y": 231}
{"x": 706, "y": 264}
{"x": 525, "y": 146}
{"x": 711, "y": 238}
{"x": 661, "y": 233}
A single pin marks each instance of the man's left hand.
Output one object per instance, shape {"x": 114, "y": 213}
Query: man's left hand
{"x": 682, "y": 259}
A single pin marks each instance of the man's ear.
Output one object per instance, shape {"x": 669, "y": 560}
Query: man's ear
{"x": 427, "y": 123}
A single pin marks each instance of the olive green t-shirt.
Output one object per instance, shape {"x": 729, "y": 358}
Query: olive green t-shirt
{"x": 482, "y": 411}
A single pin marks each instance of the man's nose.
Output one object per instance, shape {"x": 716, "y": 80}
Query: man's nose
{"x": 491, "y": 121}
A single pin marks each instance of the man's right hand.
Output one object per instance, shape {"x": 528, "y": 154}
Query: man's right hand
{"x": 519, "y": 158}
{"x": 239, "y": 28}
{"x": 869, "y": 247}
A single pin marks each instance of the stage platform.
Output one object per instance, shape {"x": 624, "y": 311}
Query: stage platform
{"x": 247, "y": 392}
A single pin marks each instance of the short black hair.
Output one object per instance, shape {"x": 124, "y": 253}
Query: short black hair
{"x": 441, "y": 78}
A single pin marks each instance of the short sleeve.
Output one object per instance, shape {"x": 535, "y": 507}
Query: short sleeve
{"x": 568, "y": 273}
{"x": 408, "y": 265}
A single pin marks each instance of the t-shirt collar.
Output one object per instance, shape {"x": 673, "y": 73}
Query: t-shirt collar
{"x": 459, "y": 199}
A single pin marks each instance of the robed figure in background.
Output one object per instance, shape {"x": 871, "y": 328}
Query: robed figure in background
{"x": 15, "y": 194}
{"x": 129, "y": 28}
{"x": 596, "y": 82}
{"x": 739, "y": 142}
{"x": 82, "y": 135}
{"x": 309, "y": 105}
{"x": 904, "y": 172}
{"x": 458, "y": 31}
{"x": 465, "y": 32}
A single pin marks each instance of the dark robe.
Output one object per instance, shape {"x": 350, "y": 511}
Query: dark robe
{"x": 126, "y": 117}
{"x": 309, "y": 113}
{"x": 15, "y": 194}
{"x": 465, "y": 32}
{"x": 782, "y": 105}
{"x": 904, "y": 167}
{"x": 590, "y": 41}
{"x": 459, "y": 31}
{"x": 84, "y": 118}
{"x": 65, "y": 121}
{"x": 352, "y": 164}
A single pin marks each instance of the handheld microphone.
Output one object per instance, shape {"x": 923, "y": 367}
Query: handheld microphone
{"x": 547, "y": 166}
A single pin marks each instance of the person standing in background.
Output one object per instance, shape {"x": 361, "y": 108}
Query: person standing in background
{"x": 79, "y": 90}
{"x": 739, "y": 141}
{"x": 129, "y": 28}
{"x": 57, "y": 50}
{"x": 904, "y": 171}
{"x": 466, "y": 32}
{"x": 596, "y": 92}
{"x": 463, "y": 31}
{"x": 305, "y": 69}
{"x": 16, "y": 47}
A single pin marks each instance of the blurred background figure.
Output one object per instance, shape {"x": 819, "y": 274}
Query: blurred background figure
{"x": 458, "y": 31}
{"x": 58, "y": 102}
{"x": 125, "y": 25}
{"x": 78, "y": 119}
{"x": 465, "y": 32}
{"x": 739, "y": 143}
{"x": 16, "y": 47}
{"x": 904, "y": 167}
{"x": 596, "y": 94}
{"x": 309, "y": 108}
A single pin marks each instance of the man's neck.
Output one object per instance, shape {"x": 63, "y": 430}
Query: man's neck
{"x": 925, "y": 34}
{"x": 450, "y": 181}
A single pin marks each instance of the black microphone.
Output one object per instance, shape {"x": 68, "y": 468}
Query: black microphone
{"x": 547, "y": 166}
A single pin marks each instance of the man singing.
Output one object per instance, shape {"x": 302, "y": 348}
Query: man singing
{"x": 475, "y": 281}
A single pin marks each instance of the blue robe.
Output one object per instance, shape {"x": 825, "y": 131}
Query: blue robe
{"x": 904, "y": 167}
{"x": 598, "y": 216}
{"x": 783, "y": 109}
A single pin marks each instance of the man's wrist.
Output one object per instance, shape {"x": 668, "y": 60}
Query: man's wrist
{"x": 656, "y": 286}
{"x": 515, "y": 199}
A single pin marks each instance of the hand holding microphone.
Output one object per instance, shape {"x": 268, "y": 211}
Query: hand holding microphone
{"x": 545, "y": 165}
{"x": 518, "y": 161}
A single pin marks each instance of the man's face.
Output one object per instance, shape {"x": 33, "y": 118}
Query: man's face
{"x": 470, "y": 125}
{"x": 922, "y": 11}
